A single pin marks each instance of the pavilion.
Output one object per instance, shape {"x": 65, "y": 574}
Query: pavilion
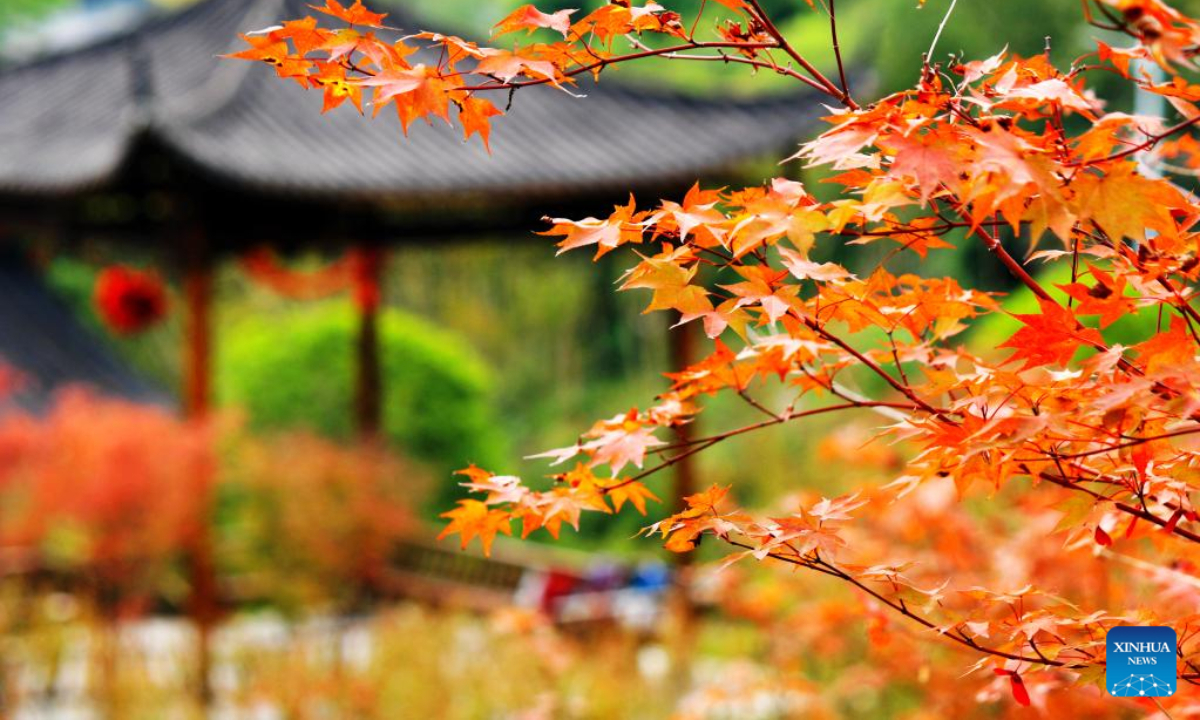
{"x": 149, "y": 138}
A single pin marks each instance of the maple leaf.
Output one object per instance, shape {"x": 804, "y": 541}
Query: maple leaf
{"x": 1106, "y": 298}
{"x": 499, "y": 488}
{"x": 473, "y": 114}
{"x": 803, "y": 269}
{"x": 395, "y": 81}
{"x": 709, "y": 500}
{"x": 417, "y": 92}
{"x": 304, "y": 34}
{"x": 557, "y": 507}
{"x": 1053, "y": 90}
{"x": 625, "y": 225}
{"x": 926, "y": 158}
{"x": 1051, "y": 337}
{"x": 836, "y": 509}
{"x": 666, "y": 275}
{"x": 799, "y": 536}
{"x": 1016, "y": 685}
{"x": 527, "y": 17}
{"x": 332, "y": 79}
{"x": 275, "y": 52}
{"x": 356, "y": 14}
{"x": 633, "y": 492}
{"x": 472, "y": 519}
{"x": 1119, "y": 57}
{"x": 698, "y": 212}
{"x": 976, "y": 69}
{"x": 763, "y": 286}
{"x": 623, "y": 445}
{"x": 839, "y": 147}
{"x": 504, "y": 66}
{"x": 558, "y": 455}
{"x": 1124, "y": 204}
{"x": 474, "y": 473}
{"x": 1167, "y": 350}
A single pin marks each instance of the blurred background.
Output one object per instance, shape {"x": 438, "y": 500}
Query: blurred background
{"x": 246, "y": 345}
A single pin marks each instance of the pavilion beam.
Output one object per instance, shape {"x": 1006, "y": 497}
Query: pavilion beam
{"x": 204, "y": 603}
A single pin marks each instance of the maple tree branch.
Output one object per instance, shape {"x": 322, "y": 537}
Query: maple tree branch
{"x": 937, "y": 35}
{"x": 1132, "y": 443}
{"x": 699, "y": 444}
{"x": 756, "y": 404}
{"x": 837, "y": 48}
{"x": 604, "y": 62}
{"x": 874, "y": 366}
{"x": 1184, "y": 305}
{"x": 723, "y": 57}
{"x": 1161, "y": 709}
{"x": 828, "y": 568}
{"x": 1091, "y": 20}
{"x": 994, "y": 245}
{"x": 696, "y": 20}
{"x": 786, "y": 47}
{"x": 1123, "y": 507}
{"x": 1135, "y": 149}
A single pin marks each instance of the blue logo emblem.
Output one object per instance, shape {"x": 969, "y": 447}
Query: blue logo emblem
{"x": 1141, "y": 661}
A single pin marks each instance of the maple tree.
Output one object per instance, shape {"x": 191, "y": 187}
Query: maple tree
{"x": 1096, "y": 439}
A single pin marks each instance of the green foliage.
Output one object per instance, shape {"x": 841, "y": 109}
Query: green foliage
{"x": 975, "y": 30}
{"x": 25, "y": 10}
{"x": 296, "y": 370}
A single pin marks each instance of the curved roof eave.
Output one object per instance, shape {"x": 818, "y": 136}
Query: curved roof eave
{"x": 70, "y": 122}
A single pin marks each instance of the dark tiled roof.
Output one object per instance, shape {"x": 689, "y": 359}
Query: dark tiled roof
{"x": 68, "y": 122}
{"x": 49, "y": 349}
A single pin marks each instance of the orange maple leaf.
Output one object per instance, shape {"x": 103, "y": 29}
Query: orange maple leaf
{"x": 1106, "y": 298}
{"x": 356, "y": 14}
{"x": 472, "y": 519}
{"x": 1168, "y": 349}
{"x": 633, "y": 492}
{"x": 1050, "y": 338}
{"x": 332, "y": 79}
{"x": 527, "y": 17}
{"x": 473, "y": 114}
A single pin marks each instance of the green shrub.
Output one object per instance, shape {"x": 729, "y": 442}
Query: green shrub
{"x": 295, "y": 370}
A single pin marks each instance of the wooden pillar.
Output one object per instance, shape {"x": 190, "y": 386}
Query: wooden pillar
{"x": 680, "y": 631}
{"x": 368, "y": 381}
{"x": 682, "y": 344}
{"x": 203, "y": 605}
{"x": 197, "y": 358}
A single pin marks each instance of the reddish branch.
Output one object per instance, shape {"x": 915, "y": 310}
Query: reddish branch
{"x": 814, "y": 562}
{"x": 699, "y": 444}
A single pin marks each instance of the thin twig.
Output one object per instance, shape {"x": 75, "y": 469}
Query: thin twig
{"x": 938, "y": 34}
{"x": 837, "y": 49}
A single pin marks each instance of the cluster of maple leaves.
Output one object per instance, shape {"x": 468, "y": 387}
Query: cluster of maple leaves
{"x": 1006, "y": 151}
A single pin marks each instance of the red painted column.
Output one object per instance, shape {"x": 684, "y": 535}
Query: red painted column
{"x": 368, "y": 381}
{"x": 204, "y": 603}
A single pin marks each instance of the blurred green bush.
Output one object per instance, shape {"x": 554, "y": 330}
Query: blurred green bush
{"x": 295, "y": 370}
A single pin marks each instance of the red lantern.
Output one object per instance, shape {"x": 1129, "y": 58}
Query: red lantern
{"x": 128, "y": 300}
